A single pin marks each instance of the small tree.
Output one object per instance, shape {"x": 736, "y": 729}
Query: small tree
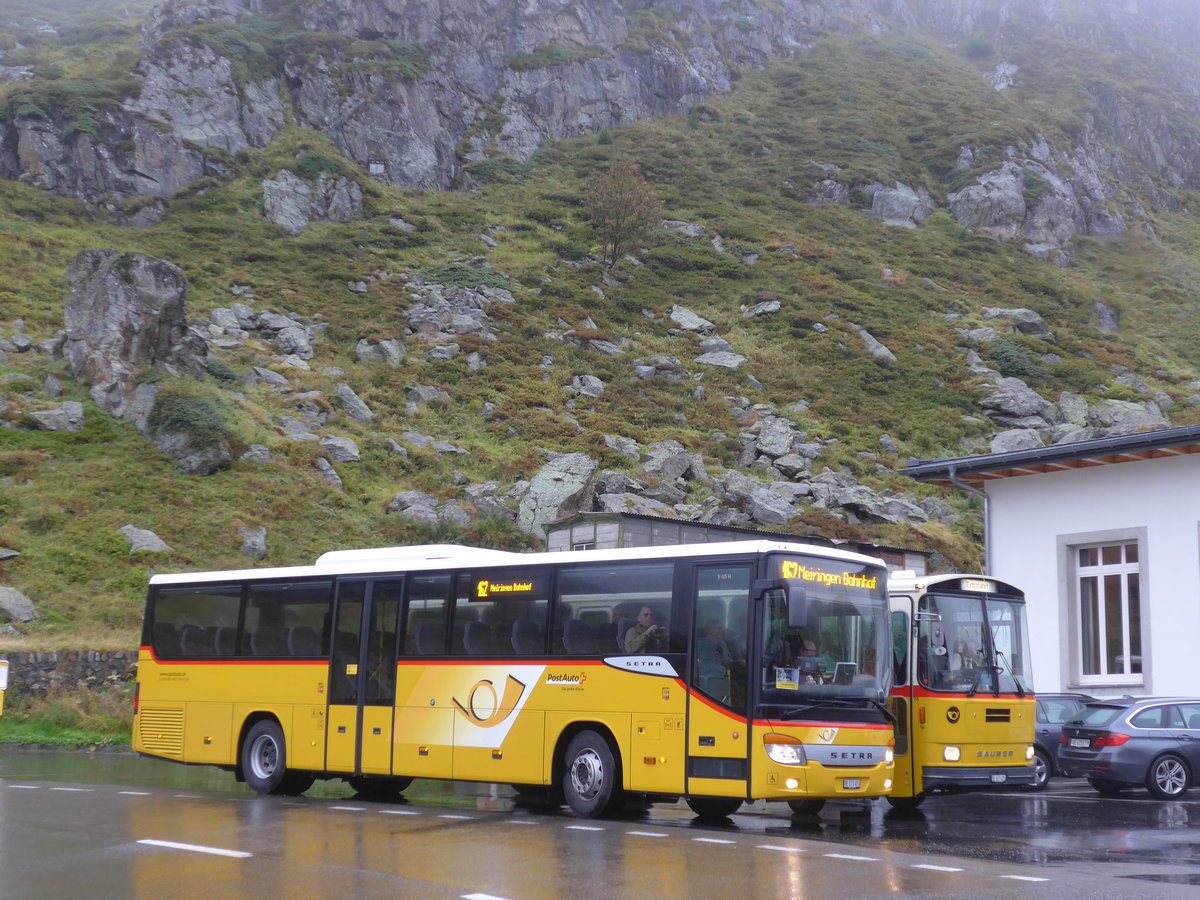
{"x": 622, "y": 207}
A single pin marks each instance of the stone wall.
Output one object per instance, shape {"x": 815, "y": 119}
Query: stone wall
{"x": 43, "y": 673}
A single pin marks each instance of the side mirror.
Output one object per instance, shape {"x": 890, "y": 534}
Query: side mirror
{"x": 795, "y": 597}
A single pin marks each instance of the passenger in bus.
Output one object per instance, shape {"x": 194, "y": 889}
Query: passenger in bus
{"x": 713, "y": 661}
{"x": 646, "y": 636}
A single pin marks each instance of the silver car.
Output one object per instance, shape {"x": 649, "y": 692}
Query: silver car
{"x": 1149, "y": 741}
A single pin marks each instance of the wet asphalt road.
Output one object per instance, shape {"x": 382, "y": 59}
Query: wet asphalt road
{"x": 112, "y": 825}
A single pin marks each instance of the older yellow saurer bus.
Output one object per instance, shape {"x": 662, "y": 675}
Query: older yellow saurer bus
{"x": 587, "y": 675}
{"x": 962, "y": 697}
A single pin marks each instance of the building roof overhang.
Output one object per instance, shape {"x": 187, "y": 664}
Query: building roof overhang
{"x": 976, "y": 471}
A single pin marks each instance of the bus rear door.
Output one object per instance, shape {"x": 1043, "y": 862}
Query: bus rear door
{"x": 362, "y": 677}
{"x": 718, "y": 725}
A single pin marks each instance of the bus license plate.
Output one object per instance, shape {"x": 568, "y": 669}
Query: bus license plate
{"x": 999, "y": 777}
{"x": 1080, "y": 742}
{"x": 851, "y": 784}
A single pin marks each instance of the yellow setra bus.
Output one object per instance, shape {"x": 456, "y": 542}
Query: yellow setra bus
{"x": 686, "y": 671}
{"x": 962, "y": 696}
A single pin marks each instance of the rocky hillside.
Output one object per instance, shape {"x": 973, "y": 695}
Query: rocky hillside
{"x": 282, "y": 275}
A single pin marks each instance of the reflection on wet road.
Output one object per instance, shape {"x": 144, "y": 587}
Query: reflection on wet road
{"x": 116, "y": 826}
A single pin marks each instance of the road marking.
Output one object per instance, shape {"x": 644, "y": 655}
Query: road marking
{"x": 135, "y": 793}
{"x": 851, "y": 856}
{"x": 453, "y": 816}
{"x": 196, "y": 848}
{"x": 399, "y": 812}
{"x": 647, "y": 833}
{"x": 26, "y": 787}
{"x": 934, "y": 868}
{"x": 712, "y": 841}
{"x": 781, "y": 849}
{"x": 350, "y": 808}
{"x": 1024, "y": 878}
{"x": 481, "y": 897}
{"x": 523, "y": 822}
{"x": 76, "y": 790}
{"x": 585, "y": 828}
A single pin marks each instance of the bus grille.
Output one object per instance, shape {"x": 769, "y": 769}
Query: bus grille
{"x": 997, "y": 715}
{"x": 161, "y": 730}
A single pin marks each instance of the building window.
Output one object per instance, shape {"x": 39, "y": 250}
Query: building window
{"x": 1109, "y": 612}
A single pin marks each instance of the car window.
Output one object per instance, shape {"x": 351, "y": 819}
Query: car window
{"x": 1057, "y": 710}
{"x": 1096, "y": 715}
{"x": 1155, "y": 717}
{"x": 1190, "y": 714}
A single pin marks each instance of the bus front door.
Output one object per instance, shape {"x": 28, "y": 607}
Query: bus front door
{"x": 362, "y": 677}
{"x": 718, "y": 738}
{"x": 900, "y": 701}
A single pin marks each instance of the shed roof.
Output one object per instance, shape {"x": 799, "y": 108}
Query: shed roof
{"x": 977, "y": 470}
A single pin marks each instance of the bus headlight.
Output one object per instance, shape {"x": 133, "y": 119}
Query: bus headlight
{"x": 785, "y": 750}
{"x": 1029, "y": 753}
{"x": 951, "y": 754}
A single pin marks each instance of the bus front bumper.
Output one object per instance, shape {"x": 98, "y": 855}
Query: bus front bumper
{"x": 958, "y": 777}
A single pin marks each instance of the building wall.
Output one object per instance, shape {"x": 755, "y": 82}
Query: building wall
{"x": 1034, "y": 520}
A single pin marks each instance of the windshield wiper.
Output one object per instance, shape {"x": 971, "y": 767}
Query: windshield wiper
{"x": 1021, "y": 691}
{"x": 838, "y": 703}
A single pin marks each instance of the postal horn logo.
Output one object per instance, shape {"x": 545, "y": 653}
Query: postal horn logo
{"x": 485, "y": 707}
{"x": 826, "y": 735}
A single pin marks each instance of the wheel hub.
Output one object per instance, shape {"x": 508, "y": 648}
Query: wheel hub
{"x": 587, "y": 774}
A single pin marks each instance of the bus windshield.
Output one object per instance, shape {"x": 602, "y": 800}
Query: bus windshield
{"x": 973, "y": 643}
{"x": 837, "y": 651}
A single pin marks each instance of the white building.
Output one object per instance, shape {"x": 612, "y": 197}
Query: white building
{"x": 1104, "y": 537}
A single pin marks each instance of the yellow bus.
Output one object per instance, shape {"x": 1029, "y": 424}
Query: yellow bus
{"x": 962, "y": 697}
{"x": 584, "y": 675}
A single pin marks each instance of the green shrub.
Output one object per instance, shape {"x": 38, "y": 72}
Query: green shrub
{"x": 197, "y": 417}
{"x": 459, "y": 274}
{"x": 310, "y": 164}
{"x": 1014, "y": 359}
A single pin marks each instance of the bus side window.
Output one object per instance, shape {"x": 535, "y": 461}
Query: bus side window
{"x": 425, "y": 615}
{"x": 900, "y": 638}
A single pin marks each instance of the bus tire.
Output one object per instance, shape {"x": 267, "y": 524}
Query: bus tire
{"x": 808, "y": 807}
{"x": 383, "y": 788}
{"x": 711, "y": 808}
{"x": 264, "y": 758}
{"x": 591, "y": 780}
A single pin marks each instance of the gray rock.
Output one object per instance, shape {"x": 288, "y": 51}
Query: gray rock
{"x": 876, "y": 349}
{"x": 1015, "y": 439}
{"x": 16, "y": 607}
{"x": 1116, "y": 417}
{"x": 340, "y": 449}
{"x": 291, "y": 202}
{"x": 486, "y": 498}
{"x": 623, "y": 445}
{"x": 765, "y": 308}
{"x": 562, "y": 487}
{"x": 587, "y": 385}
{"x": 141, "y": 540}
{"x": 257, "y": 453}
{"x": 328, "y": 472}
{"x": 633, "y": 503}
{"x": 125, "y": 311}
{"x": 899, "y": 206}
{"x": 1026, "y": 321}
{"x": 667, "y": 459}
{"x": 776, "y": 436}
{"x": 689, "y": 321}
{"x": 8, "y": 553}
{"x": 353, "y": 406}
{"x": 407, "y": 500}
{"x": 684, "y": 228}
{"x": 1106, "y": 317}
{"x": 390, "y": 352}
{"x": 67, "y": 418}
{"x": 722, "y": 360}
{"x": 422, "y": 394}
{"x": 254, "y": 541}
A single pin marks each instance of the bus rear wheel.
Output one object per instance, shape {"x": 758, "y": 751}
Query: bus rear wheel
{"x": 809, "y": 807}
{"x": 264, "y": 761}
{"x": 906, "y": 804}
{"x": 590, "y": 776}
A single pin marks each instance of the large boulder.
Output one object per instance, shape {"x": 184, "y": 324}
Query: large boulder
{"x": 563, "y": 487}
{"x": 125, "y": 312}
{"x": 16, "y": 607}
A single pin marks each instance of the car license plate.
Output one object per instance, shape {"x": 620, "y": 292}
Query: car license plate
{"x": 999, "y": 777}
{"x": 1079, "y": 742}
{"x": 851, "y": 784}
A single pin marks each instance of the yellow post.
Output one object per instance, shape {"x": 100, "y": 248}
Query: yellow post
{"x": 3, "y": 682}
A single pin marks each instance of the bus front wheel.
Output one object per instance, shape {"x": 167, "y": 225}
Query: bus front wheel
{"x": 264, "y": 760}
{"x": 590, "y": 777}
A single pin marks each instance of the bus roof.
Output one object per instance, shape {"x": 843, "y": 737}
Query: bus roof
{"x": 908, "y": 582}
{"x": 423, "y": 557}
